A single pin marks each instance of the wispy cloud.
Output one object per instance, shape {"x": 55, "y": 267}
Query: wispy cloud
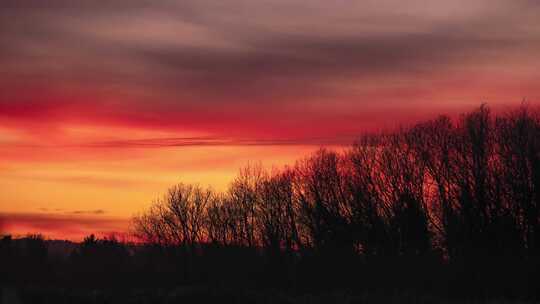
{"x": 95, "y": 212}
{"x": 166, "y": 142}
{"x": 219, "y": 141}
{"x": 60, "y": 211}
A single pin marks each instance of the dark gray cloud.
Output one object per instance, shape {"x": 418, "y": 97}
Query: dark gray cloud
{"x": 61, "y": 211}
{"x": 94, "y": 212}
{"x": 220, "y": 141}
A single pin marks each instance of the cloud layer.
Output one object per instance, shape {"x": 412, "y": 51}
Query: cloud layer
{"x": 260, "y": 67}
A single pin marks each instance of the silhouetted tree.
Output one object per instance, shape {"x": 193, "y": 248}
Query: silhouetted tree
{"x": 467, "y": 189}
{"x": 96, "y": 257}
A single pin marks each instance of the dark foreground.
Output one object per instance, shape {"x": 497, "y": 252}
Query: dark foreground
{"x": 194, "y": 294}
{"x": 441, "y": 211}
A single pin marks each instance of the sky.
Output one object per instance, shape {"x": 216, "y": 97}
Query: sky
{"x": 105, "y": 104}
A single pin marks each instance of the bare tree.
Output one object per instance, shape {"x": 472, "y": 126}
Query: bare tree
{"x": 244, "y": 196}
{"x": 178, "y": 218}
{"x": 321, "y": 193}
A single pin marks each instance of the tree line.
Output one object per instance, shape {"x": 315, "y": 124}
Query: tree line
{"x": 463, "y": 189}
{"x": 463, "y": 192}
{"x": 446, "y": 206}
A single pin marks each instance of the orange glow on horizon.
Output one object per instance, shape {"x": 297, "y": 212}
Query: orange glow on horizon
{"x": 71, "y": 183}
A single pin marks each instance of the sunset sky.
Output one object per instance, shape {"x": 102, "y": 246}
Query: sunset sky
{"x": 105, "y": 104}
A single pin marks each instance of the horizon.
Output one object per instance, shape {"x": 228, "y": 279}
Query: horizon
{"x": 104, "y": 107}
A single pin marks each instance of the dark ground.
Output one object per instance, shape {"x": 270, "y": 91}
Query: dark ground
{"x": 197, "y": 294}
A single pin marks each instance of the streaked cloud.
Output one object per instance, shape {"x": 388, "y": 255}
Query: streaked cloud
{"x": 95, "y": 212}
{"x": 202, "y": 65}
